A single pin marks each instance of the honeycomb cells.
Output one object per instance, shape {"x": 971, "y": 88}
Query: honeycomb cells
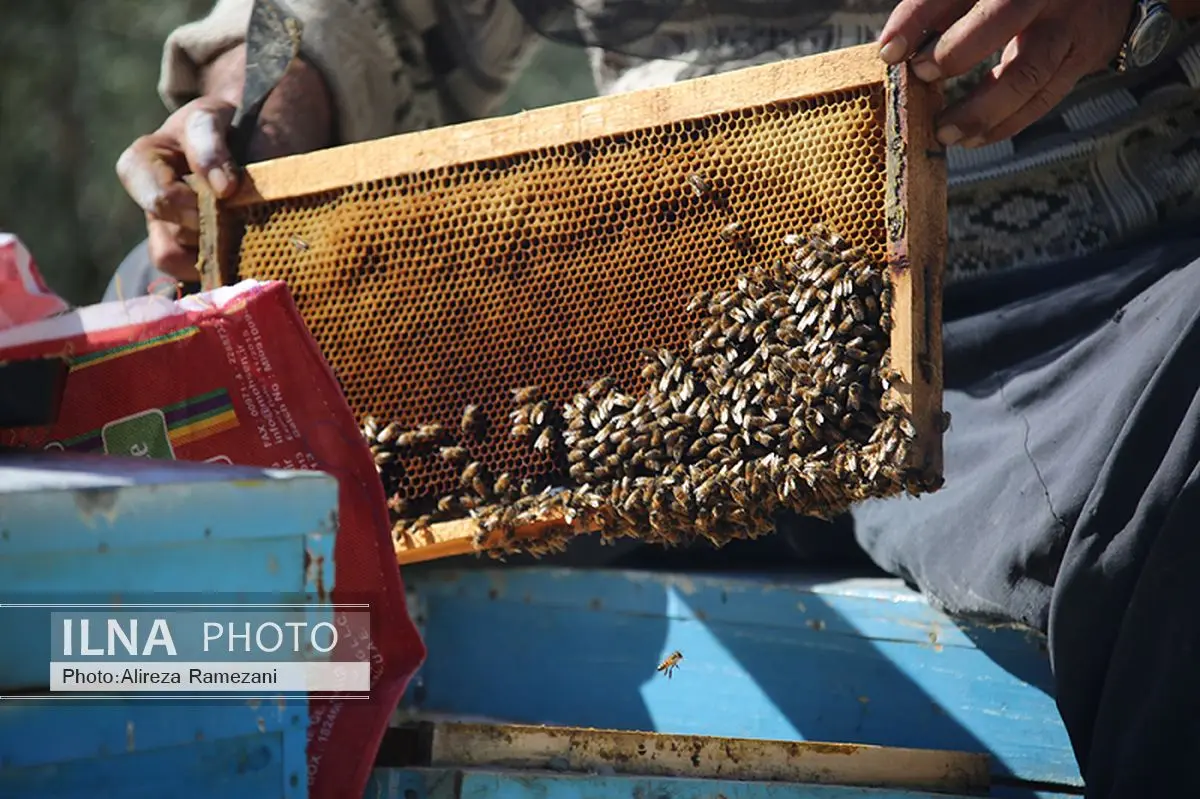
{"x": 432, "y": 291}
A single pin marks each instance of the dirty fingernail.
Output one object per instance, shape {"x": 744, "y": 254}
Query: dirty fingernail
{"x": 949, "y": 134}
{"x": 893, "y": 52}
{"x": 218, "y": 180}
{"x": 140, "y": 182}
{"x": 927, "y": 71}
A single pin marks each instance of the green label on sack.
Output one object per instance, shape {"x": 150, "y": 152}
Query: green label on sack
{"x": 143, "y": 435}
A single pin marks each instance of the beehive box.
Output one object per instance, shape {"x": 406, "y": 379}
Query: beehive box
{"x": 445, "y": 269}
{"x": 143, "y": 748}
{"x": 80, "y": 529}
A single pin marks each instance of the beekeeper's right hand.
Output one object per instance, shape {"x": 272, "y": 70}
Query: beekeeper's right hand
{"x": 297, "y": 117}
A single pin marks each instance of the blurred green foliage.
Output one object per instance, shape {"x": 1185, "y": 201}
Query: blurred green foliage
{"x": 78, "y": 84}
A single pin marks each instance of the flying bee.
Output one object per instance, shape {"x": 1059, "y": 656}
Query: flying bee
{"x": 670, "y": 663}
{"x": 300, "y": 244}
{"x": 699, "y": 185}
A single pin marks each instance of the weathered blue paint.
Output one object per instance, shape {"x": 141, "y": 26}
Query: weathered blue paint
{"x": 149, "y": 749}
{"x": 101, "y": 529}
{"x": 473, "y": 784}
{"x": 855, "y": 661}
{"x": 101, "y": 504}
{"x": 77, "y": 529}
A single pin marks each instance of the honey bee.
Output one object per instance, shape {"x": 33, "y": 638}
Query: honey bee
{"x": 671, "y": 663}
{"x": 526, "y": 395}
{"x": 300, "y": 244}
{"x": 388, "y": 433}
{"x": 469, "y": 473}
{"x": 544, "y": 440}
{"x": 454, "y": 455}
{"x": 699, "y": 185}
{"x": 700, "y": 300}
{"x": 430, "y": 432}
{"x": 732, "y": 232}
{"x": 537, "y": 414}
{"x": 370, "y": 428}
{"x": 600, "y": 388}
{"x": 472, "y": 420}
{"x": 408, "y": 439}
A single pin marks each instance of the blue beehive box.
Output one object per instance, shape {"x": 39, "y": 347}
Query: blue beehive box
{"x": 95, "y": 529}
{"x": 153, "y": 749}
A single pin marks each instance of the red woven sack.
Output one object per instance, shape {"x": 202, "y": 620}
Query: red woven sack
{"x": 234, "y": 375}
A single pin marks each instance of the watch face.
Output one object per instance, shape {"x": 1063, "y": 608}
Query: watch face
{"x": 1150, "y": 39}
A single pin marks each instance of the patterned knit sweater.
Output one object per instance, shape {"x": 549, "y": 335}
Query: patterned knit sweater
{"x": 1118, "y": 158}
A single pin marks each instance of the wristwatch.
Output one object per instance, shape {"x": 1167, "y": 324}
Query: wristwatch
{"x": 1150, "y": 31}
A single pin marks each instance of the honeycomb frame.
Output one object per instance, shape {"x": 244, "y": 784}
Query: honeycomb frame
{"x": 351, "y": 187}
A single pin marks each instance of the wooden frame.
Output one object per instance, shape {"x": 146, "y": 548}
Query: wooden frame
{"x": 455, "y": 744}
{"x": 915, "y": 204}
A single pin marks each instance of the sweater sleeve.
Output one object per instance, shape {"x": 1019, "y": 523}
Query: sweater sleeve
{"x": 392, "y": 66}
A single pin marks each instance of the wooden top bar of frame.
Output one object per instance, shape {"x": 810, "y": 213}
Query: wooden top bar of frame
{"x": 557, "y": 125}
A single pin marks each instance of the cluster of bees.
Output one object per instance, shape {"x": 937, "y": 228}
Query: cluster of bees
{"x": 783, "y": 400}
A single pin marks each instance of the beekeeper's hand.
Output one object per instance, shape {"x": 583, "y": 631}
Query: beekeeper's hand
{"x": 297, "y": 117}
{"x": 1046, "y": 47}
